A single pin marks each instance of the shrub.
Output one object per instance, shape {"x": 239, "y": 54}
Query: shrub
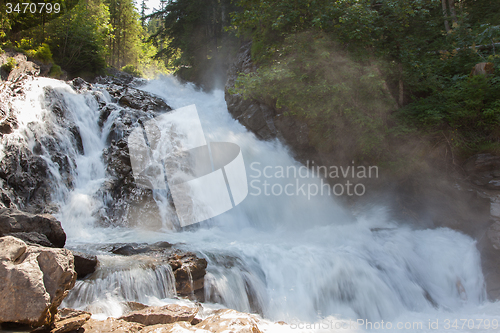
{"x": 55, "y": 72}
{"x": 41, "y": 53}
{"x": 131, "y": 69}
{"x": 9, "y": 65}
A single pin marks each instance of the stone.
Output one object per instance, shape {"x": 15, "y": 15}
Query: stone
{"x": 227, "y": 320}
{"x": 35, "y": 280}
{"x": 68, "y": 320}
{"x": 33, "y": 238}
{"x": 15, "y": 221}
{"x": 111, "y": 325}
{"x": 85, "y": 264}
{"x": 182, "y": 326}
{"x": 167, "y": 314}
{"x": 494, "y": 235}
{"x": 190, "y": 275}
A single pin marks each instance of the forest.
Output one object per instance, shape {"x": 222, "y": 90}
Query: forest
{"x": 381, "y": 70}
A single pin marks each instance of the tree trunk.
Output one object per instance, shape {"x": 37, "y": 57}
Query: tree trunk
{"x": 445, "y": 13}
{"x": 452, "y": 11}
{"x": 401, "y": 86}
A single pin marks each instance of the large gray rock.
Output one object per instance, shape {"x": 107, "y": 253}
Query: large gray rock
{"x": 15, "y": 222}
{"x": 35, "y": 280}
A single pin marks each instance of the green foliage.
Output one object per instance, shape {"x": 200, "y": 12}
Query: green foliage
{"x": 191, "y": 37}
{"x": 345, "y": 102}
{"x": 131, "y": 69}
{"x": 469, "y": 107}
{"x": 9, "y": 65}
{"x": 56, "y": 72}
{"x": 78, "y": 39}
{"x": 41, "y": 53}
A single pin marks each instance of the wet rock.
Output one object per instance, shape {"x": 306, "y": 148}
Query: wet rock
{"x": 26, "y": 175}
{"x": 227, "y": 320}
{"x": 85, "y": 264}
{"x": 134, "y": 306}
{"x": 484, "y": 170}
{"x": 68, "y": 320}
{"x": 254, "y": 115}
{"x": 35, "y": 280}
{"x": 15, "y": 221}
{"x": 8, "y": 124}
{"x": 167, "y": 314}
{"x": 111, "y": 325}
{"x": 132, "y": 249}
{"x": 189, "y": 272}
{"x": 141, "y": 100}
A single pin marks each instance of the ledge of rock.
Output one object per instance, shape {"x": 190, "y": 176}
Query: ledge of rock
{"x": 167, "y": 314}
{"x": 228, "y": 320}
{"x": 35, "y": 280}
{"x": 68, "y": 320}
{"x": 43, "y": 229}
{"x": 111, "y": 325}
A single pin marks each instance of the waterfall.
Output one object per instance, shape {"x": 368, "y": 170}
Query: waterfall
{"x": 286, "y": 257}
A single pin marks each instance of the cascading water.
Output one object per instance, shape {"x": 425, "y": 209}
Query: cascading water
{"x": 287, "y": 257}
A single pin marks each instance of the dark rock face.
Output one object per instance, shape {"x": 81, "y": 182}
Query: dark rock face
{"x": 189, "y": 270}
{"x": 85, "y": 264}
{"x": 124, "y": 200}
{"x": 34, "y": 228}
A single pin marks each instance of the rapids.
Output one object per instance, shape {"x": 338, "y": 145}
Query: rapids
{"x": 301, "y": 259}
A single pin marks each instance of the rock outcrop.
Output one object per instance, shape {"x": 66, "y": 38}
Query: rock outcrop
{"x": 189, "y": 270}
{"x": 69, "y": 320}
{"x": 42, "y": 229}
{"x": 167, "y": 314}
{"x": 111, "y": 325}
{"x": 35, "y": 280}
{"x": 85, "y": 264}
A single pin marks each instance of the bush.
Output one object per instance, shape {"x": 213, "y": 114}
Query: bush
{"x": 132, "y": 70}
{"x": 1, "y": 51}
{"x": 9, "y": 65}
{"x": 41, "y": 53}
{"x": 55, "y": 72}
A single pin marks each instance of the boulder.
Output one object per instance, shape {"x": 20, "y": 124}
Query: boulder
{"x": 35, "y": 280}
{"x": 227, "y": 320}
{"x": 141, "y": 100}
{"x": 484, "y": 170}
{"x": 111, "y": 325}
{"x": 13, "y": 221}
{"x": 85, "y": 264}
{"x": 189, "y": 272}
{"x": 68, "y": 320}
{"x": 167, "y": 314}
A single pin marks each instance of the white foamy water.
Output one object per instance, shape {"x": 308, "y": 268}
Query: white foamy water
{"x": 306, "y": 261}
